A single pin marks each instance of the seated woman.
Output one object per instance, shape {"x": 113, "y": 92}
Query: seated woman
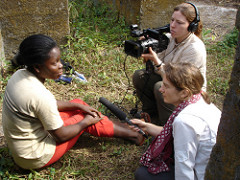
{"x": 182, "y": 147}
{"x": 185, "y": 45}
{"x": 36, "y": 133}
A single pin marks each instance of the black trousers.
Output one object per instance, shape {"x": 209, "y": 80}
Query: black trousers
{"x": 147, "y": 88}
{"x": 143, "y": 174}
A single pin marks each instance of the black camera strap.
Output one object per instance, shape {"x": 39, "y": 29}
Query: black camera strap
{"x": 149, "y": 72}
{"x": 149, "y": 67}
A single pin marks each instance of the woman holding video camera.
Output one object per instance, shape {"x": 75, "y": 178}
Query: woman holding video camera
{"x": 185, "y": 46}
{"x": 181, "y": 148}
{"x": 38, "y": 128}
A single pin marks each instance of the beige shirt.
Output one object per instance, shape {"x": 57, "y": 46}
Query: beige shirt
{"x": 190, "y": 50}
{"x": 29, "y": 110}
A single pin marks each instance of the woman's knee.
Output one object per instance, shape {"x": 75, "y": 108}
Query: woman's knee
{"x": 138, "y": 77}
{"x": 138, "y": 173}
{"x": 142, "y": 173}
{"x": 156, "y": 88}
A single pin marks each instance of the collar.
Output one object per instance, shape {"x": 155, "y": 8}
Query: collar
{"x": 184, "y": 41}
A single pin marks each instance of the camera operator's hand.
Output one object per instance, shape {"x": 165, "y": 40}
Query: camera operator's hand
{"x": 152, "y": 56}
{"x": 141, "y": 38}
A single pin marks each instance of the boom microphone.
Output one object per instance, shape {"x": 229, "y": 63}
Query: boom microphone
{"x": 119, "y": 114}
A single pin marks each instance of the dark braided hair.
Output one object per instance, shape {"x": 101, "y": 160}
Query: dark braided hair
{"x": 35, "y": 50}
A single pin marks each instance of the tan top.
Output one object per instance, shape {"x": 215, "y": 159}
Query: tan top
{"x": 29, "y": 110}
{"x": 192, "y": 50}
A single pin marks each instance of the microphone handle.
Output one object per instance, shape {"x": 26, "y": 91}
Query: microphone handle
{"x": 139, "y": 130}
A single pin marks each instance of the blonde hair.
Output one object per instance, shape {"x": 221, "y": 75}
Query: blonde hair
{"x": 186, "y": 76}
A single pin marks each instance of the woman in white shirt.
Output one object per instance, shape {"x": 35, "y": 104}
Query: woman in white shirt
{"x": 182, "y": 147}
{"x": 185, "y": 46}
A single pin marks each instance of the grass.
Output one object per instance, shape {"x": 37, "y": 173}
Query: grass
{"x": 219, "y": 66}
{"x": 95, "y": 48}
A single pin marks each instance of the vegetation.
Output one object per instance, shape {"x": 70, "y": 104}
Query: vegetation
{"x": 95, "y": 48}
{"x": 219, "y": 66}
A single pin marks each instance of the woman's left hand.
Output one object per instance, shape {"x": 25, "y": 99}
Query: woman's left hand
{"x": 70, "y": 106}
{"x": 90, "y": 110}
{"x": 140, "y": 123}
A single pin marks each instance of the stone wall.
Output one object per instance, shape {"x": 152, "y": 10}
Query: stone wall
{"x": 130, "y": 9}
{"x": 2, "y": 54}
{"x": 145, "y": 13}
{"x": 21, "y": 18}
{"x": 157, "y": 13}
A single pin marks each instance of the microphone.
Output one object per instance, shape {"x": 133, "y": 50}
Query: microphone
{"x": 119, "y": 114}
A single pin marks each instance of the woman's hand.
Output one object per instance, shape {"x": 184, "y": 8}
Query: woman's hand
{"x": 65, "y": 133}
{"x": 152, "y": 56}
{"x": 141, "y": 124}
{"x": 150, "y": 128}
{"x": 90, "y": 120}
{"x": 70, "y": 106}
{"x": 90, "y": 110}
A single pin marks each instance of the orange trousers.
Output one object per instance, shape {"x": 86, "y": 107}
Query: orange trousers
{"x": 103, "y": 128}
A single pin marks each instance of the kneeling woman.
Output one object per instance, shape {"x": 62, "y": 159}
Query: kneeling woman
{"x": 38, "y": 128}
{"x": 182, "y": 147}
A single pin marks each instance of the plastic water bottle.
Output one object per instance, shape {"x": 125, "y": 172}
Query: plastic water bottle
{"x": 64, "y": 78}
{"x": 79, "y": 76}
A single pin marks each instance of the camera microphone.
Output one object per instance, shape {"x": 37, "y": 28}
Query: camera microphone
{"x": 119, "y": 114}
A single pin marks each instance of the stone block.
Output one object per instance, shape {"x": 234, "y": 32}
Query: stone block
{"x": 21, "y": 18}
{"x": 145, "y": 13}
{"x": 2, "y": 54}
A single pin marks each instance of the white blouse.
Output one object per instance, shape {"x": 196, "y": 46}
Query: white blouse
{"x": 194, "y": 132}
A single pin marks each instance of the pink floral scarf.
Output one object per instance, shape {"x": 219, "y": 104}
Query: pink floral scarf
{"x": 158, "y": 155}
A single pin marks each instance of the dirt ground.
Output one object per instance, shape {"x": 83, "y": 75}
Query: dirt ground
{"x": 217, "y": 15}
{"x": 223, "y": 3}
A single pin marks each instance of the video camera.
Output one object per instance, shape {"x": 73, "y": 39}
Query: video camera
{"x": 154, "y": 38}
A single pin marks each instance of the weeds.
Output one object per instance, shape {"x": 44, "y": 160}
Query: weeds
{"x": 220, "y": 61}
{"x": 4, "y": 76}
{"x": 94, "y": 48}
